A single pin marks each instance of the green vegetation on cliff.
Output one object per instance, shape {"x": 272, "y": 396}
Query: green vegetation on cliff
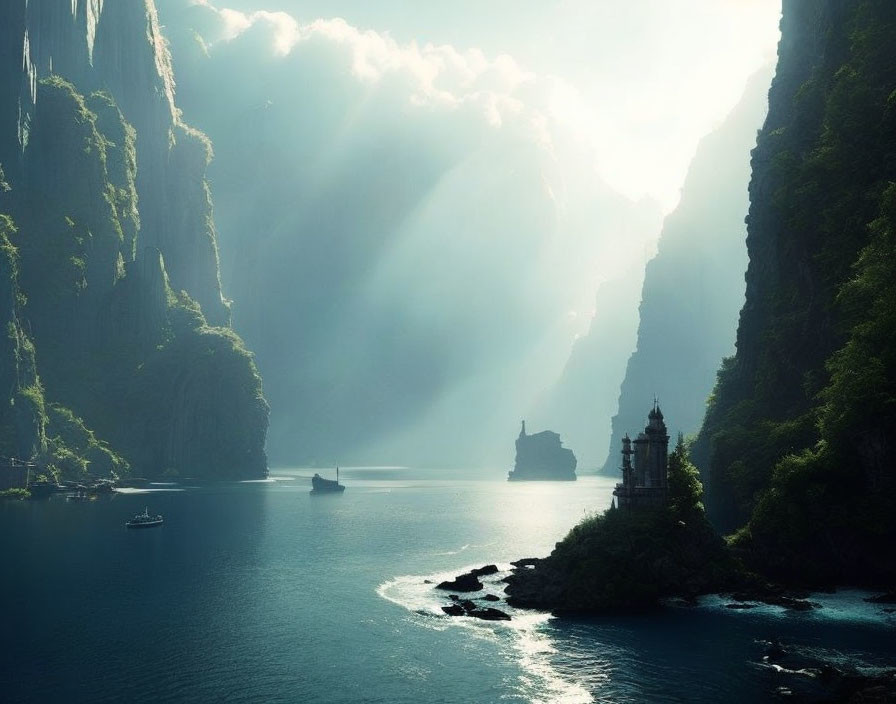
{"x": 629, "y": 559}
{"x": 22, "y": 414}
{"x": 135, "y": 361}
{"x": 797, "y": 445}
{"x": 73, "y": 450}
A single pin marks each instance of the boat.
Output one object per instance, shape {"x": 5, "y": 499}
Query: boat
{"x": 144, "y": 520}
{"x": 319, "y": 485}
{"x": 80, "y": 495}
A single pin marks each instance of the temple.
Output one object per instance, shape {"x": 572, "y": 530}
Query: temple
{"x": 645, "y": 483}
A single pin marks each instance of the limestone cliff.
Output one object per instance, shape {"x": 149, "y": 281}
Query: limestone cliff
{"x": 118, "y": 47}
{"x": 117, "y": 245}
{"x": 22, "y": 415}
{"x": 797, "y": 443}
{"x": 584, "y": 397}
{"x": 693, "y": 286}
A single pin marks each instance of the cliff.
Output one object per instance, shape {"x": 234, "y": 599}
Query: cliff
{"x": 542, "y": 457}
{"x": 691, "y": 293}
{"x": 118, "y": 262}
{"x": 583, "y": 399}
{"x": 22, "y": 415}
{"x": 797, "y": 444}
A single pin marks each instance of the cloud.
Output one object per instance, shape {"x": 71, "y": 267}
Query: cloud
{"x": 435, "y": 76}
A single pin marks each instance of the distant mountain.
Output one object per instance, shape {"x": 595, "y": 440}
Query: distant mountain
{"x": 583, "y": 399}
{"x": 693, "y": 286}
{"x": 119, "y": 349}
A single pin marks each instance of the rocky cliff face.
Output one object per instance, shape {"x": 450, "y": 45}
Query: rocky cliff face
{"x": 691, "y": 291}
{"x": 118, "y": 47}
{"x": 583, "y": 400}
{"x": 118, "y": 257}
{"x": 22, "y": 416}
{"x": 794, "y": 440}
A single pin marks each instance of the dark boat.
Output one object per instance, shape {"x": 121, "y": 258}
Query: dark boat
{"x": 319, "y": 485}
{"x": 144, "y": 520}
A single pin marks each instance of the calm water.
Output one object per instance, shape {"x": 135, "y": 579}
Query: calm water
{"x": 258, "y": 592}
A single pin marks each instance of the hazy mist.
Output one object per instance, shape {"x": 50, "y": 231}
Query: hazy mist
{"x": 414, "y": 224}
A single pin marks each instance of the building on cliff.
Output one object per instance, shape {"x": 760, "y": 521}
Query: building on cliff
{"x": 645, "y": 484}
{"x": 542, "y": 457}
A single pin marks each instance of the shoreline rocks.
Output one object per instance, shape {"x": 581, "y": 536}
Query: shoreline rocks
{"x": 888, "y": 598}
{"x": 801, "y": 676}
{"x": 468, "y": 582}
{"x": 485, "y": 570}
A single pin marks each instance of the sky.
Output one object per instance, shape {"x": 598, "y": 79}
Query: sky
{"x": 638, "y": 82}
{"x": 417, "y": 203}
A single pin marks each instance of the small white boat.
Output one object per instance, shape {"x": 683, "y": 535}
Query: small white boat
{"x": 144, "y": 520}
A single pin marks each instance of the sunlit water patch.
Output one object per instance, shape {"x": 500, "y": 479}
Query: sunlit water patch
{"x": 270, "y": 480}
{"x": 522, "y": 639}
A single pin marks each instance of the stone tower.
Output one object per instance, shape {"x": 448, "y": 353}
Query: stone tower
{"x": 646, "y": 483}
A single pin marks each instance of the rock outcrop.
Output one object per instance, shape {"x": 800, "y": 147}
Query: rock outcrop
{"x": 630, "y": 559}
{"x": 542, "y": 457}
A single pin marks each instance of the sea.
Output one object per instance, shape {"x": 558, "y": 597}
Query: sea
{"x": 258, "y": 591}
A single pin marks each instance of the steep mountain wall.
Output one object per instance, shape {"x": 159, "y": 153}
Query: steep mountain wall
{"x": 118, "y": 47}
{"x": 583, "y": 399}
{"x": 118, "y": 262}
{"x": 797, "y": 440}
{"x": 692, "y": 287}
{"x": 22, "y": 415}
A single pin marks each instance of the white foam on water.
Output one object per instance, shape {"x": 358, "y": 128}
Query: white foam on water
{"x": 522, "y": 637}
{"x": 135, "y": 490}
{"x": 453, "y": 552}
{"x": 846, "y": 605}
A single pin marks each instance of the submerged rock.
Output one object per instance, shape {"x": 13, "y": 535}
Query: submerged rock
{"x": 809, "y": 678}
{"x": 454, "y": 610}
{"x": 491, "y": 597}
{"x": 489, "y": 614}
{"x": 888, "y": 598}
{"x": 774, "y": 596}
